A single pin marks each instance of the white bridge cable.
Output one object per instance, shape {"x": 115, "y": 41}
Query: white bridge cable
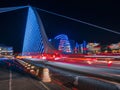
{"x": 73, "y": 19}
{"x": 7, "y": 9}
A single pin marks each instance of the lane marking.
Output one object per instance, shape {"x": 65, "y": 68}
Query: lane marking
{"x": 10, "y": 80}
{"x": 44, "y": 85}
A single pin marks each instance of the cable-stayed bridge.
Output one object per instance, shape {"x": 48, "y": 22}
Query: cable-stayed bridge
{"x": 35, "y": 39}
{"x": 72, "y": 72}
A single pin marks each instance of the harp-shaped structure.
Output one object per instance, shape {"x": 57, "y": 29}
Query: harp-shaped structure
{"x": 35, "y": 40}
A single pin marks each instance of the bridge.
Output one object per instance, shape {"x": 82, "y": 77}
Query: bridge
{"x": 68, "y": 73}
{"x": 35, "y": 39}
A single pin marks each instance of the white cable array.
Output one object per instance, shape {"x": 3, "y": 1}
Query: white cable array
{"x": 7, "y": 9}
{"x": 73, "y": 19}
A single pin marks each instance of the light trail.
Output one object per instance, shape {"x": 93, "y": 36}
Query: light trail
{"x": 76, "y": 20}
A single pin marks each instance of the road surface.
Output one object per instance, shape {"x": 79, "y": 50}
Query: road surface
{"x": 13, "y": 77}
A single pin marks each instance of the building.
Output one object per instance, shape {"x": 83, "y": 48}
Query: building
{"x": 63, "y": 44}
{"x": 115, "y": 48}
{"x": 6, "y": 50}
{"x": 93, "y": 48}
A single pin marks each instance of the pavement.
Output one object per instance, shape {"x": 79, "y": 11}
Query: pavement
{"x": 13, "y": 77}
{"x": 88, "y": 78}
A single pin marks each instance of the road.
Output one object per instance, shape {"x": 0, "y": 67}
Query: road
{"x": 100, "y": 69}
{"x": 104, "y": 72}
{"x": 13, "y": 77}
{"x": 82, "y": 75}
{"x": 103, "y": 63}
{"x": 64, "y": 77}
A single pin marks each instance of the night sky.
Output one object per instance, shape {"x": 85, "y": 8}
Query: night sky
{"x": 105, "y": 14}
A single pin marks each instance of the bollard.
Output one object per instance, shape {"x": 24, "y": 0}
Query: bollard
{"x": 25, "y": 66}
{"x": 29, "y": 65}
{"x": 32, "y": 72}
{"x": 37, "y": 72}
{"x": 26, "y": 63}
{"x": 76, "y": 81}
{"x": 28, "y": 68}
{"x": 32, "y": 67}
{"x": 46, "y": 75}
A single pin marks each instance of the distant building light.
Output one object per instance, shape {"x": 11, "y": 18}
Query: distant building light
{"x": 50, "y": 40}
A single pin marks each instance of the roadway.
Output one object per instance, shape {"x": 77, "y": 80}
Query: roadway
{"x": 100, "y": 68}
{"x": 99, "y": 78}
{"x": 91, "y": 70}
{"x": 103, "y": 63}
{"x": 13, "y": 77}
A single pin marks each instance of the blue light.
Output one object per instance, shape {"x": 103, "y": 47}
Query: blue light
{"x": 50, "y": 40}
{"x": 77, "y": 45}
{"x": 61, "y": 36}
{"x": 64, "y": 44}
{"x": 35, "y": 39}
{"x": 7, "y": 9}
{"x": 33, "y": 42}
{"x": 84, "y": 46}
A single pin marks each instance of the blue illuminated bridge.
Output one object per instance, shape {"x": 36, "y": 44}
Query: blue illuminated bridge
{"x": 68, "y": 73}
{"x": 35, "y": 39}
